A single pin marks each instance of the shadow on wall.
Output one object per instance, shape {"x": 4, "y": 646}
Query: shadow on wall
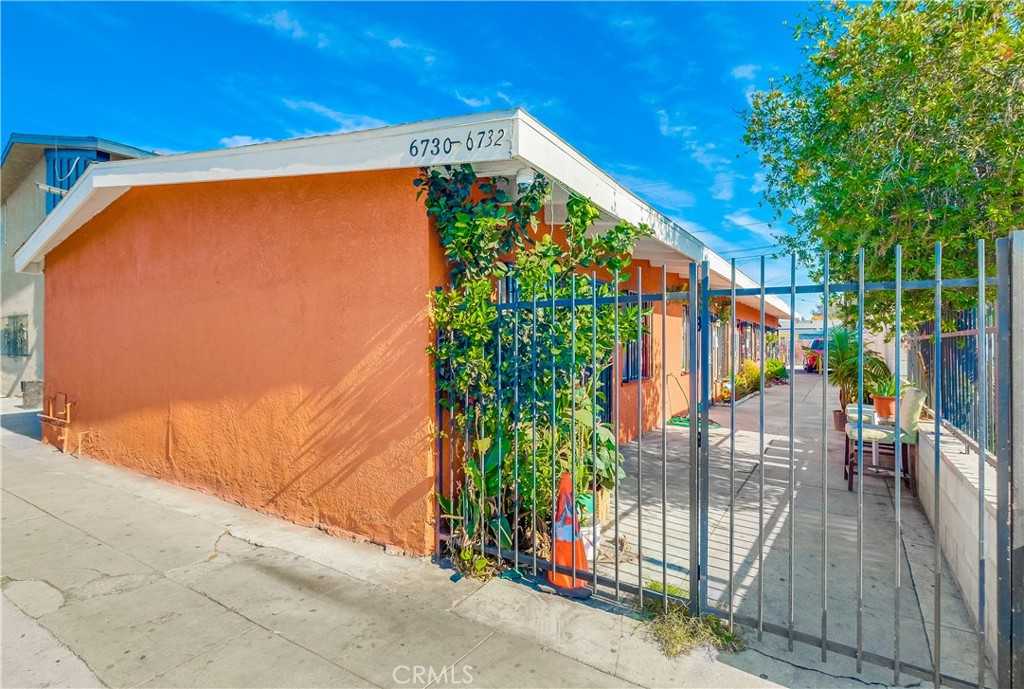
{"x": 21, "y": 369}
{"x": 279, "y": 363}
{"x": 344, "y": 456}
{"x": 348, "y": 434}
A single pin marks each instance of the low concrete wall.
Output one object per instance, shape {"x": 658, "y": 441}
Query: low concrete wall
{"x": 958, "y": 526}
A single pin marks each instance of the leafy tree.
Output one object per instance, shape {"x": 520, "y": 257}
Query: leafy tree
{"x": 905, "y": 125}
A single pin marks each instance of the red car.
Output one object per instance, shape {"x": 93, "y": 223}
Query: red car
{"x": 813, "y": 353}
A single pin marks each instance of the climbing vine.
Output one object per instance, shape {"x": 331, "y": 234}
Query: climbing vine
{"x": 522, "y": 386}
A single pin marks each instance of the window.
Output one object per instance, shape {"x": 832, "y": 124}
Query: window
{"x": 721, "y": 345}
{"x": 637, "y": 360}
{"x": 15, "y": 336}
{"x": 63, "y": 168}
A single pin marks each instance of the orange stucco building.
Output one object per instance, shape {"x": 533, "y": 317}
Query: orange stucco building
{"x": 252, "y": 323}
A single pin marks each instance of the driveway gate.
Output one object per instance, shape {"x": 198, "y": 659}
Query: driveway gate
{"x": 687, "y": 520}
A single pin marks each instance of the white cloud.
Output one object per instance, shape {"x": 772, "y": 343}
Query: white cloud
{"x": 162, "y": 151}
{"x": 747, "y": 72}
{"x": 759, "y": 184}
{"x": 473, "y": 102}
{"x": 743, "y": 220}
{"x": 668, "y": 128}
{"x": 283, "y": 22}
{"x": 241, "y": 140}
{"x": 515, "y": 101}
{"x": 706, "y": 154}
{"x": 636, "y": 28}
{"x": 346, "y": 122}
{"x": 399, "y": 43}
{"x": 658, "y": 192}
{"x": 354, "y": 40}
{"x": 724, "y": 187}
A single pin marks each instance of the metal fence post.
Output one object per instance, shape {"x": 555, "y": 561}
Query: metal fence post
{"x": 704, "y": 431}
{"x": 695, "y": 517}
{"x": 1010, "y": 536}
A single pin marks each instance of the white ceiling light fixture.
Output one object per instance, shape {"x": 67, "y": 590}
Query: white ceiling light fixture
{"x": 525, "y": 177}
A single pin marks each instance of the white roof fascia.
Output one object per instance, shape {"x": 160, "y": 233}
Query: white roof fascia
{"x": 719, "y": 265}
{"x": 543, "y": 150}
{"x": 550, "y": 155}
{"x": 502, "y": 138}
{"x": 384, "y": 148}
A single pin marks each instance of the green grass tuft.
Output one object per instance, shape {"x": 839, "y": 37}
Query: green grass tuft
{"x": 677, "y": 631}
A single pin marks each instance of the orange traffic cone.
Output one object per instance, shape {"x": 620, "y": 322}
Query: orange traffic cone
{"x": 567, "y": 541}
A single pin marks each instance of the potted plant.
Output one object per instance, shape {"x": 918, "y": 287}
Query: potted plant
{"x": 883, "y": 394}
{"x": 608, "y": 465}
{"x": 844, "y": 354}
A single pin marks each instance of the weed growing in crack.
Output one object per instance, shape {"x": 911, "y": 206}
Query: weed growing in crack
{"x": 678, "y": 631}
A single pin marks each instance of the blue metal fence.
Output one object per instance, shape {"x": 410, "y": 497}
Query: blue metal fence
{"x": 961, "y": 391}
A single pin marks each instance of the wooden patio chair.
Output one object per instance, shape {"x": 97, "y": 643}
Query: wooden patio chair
{"x": 911, "y": 404}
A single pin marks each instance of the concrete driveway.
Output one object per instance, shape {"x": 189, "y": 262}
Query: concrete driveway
{"x": 804, "y": 524}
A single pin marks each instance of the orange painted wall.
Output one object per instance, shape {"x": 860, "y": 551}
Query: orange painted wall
{"x": 652, "y": 389}
{"x": 626, "y": 393}
{"x": 263, "y": 341}
{"x": 749, "y": 313}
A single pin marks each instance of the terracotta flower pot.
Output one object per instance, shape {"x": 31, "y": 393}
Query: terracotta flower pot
{"x": 884, "y": 406}
{"x": 839, "y": 420}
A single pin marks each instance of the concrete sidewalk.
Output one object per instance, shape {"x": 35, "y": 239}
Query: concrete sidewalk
{"x": 112, "y": 578}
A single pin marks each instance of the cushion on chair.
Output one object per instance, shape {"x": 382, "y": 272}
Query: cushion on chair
{"x": 879, "y": 434}
{"x": 873, "y": 434}
{"x": 911, "y": 404}
{"x": 851, "y": 413}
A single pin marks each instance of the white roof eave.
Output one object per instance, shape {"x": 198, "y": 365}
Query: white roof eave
{"x": 505, "y": 138}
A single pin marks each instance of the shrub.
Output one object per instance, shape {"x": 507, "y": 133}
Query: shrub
{"x": 775, "y": 369}
{"x": 748, "y": 378}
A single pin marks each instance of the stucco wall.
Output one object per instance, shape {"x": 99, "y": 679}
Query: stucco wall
{"x": 22, "y": 294}
{"x": 260, "y": 340}
{"x": 652, "y": 390}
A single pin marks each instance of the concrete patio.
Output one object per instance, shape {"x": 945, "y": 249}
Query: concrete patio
{"x": 916, "y": 546}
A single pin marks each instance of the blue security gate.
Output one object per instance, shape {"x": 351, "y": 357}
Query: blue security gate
{"x": 683, "y": 507}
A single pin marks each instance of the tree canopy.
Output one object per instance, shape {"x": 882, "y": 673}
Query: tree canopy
{"x": 904, "y": 125}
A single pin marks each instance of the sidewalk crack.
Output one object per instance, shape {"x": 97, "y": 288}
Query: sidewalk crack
{"x": 853, "y": 678}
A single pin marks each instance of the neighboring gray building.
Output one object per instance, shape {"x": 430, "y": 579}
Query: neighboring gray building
{"x": 34, "y": 168}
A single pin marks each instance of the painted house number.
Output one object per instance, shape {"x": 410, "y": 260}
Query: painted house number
{"x": 474, "y": 139}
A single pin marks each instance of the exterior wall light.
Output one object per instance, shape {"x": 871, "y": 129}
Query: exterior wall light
{"x": 524, "y": 177}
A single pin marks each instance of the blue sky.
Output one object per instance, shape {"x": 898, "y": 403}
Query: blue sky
{"x": 650, "y": 92}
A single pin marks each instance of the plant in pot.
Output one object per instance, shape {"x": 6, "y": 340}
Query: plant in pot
{"x": 608, "y": 466}
{"x": 883, "y": 394}
{"x": 844, "y": 354}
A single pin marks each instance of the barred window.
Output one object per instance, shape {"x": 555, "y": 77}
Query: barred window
{"x": 14, "y": 340}
{"x": 637, "y": 361}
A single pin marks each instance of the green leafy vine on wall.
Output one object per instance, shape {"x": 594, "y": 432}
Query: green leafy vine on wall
{"x": 490, "y": 235}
